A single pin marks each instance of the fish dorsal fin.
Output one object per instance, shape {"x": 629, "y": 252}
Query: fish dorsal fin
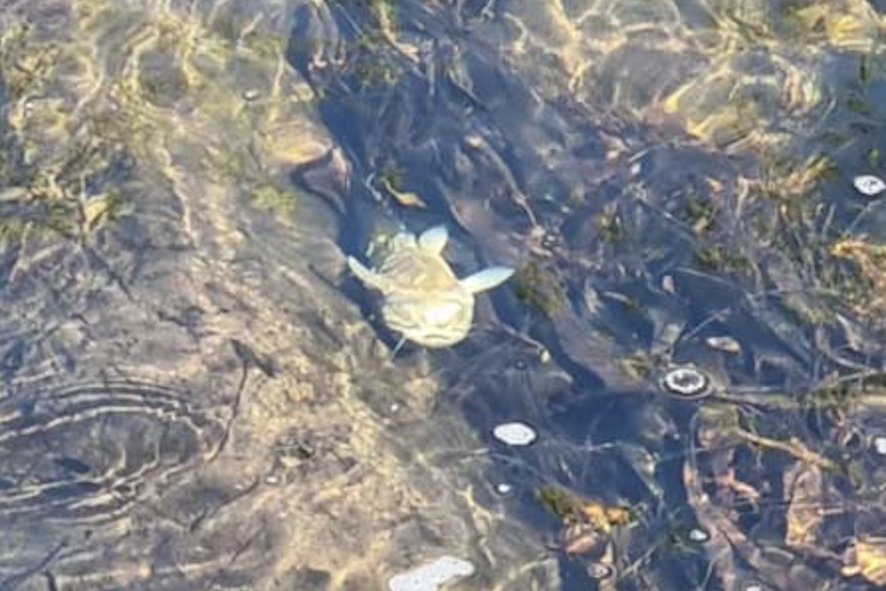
{"x": 486, "y": 279}
{"x": 368, "y": 277}
{"x": 434, "y": 239}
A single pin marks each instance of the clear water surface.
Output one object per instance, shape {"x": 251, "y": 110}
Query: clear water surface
{"x": 197, "y": 394}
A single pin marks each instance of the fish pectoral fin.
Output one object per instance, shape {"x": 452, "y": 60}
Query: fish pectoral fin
{"x": 486, "y": 279}
{"x": 434, "y": 239}
{"x": 365, "y": 275}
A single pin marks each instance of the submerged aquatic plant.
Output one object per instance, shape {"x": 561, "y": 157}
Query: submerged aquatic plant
{"x": 718, "y": 258}
{"x": 54, "y": 198}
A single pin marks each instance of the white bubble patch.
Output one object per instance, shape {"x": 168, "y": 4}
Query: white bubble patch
{"x": 698, "y": 535}
{"x": 868, "y": 184}
{"x": 431, "y": 576}
{"x": 503, "y": 488}
{"x": 515, "y": 433}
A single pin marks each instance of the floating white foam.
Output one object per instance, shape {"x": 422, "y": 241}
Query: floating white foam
{"x": 698, "y": 535}
{"x": 686, "y": 381}
{"x": 515, "y": 433}
{"x": 431, "y": 576}
{"x": 868, "y": 184}
{"x": 724, "y": 343}
{"x": 503, "y": 488}
{"x": 599, "y": 571}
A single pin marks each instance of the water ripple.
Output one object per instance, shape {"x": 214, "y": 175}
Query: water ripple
{"x": 86, "y": 451}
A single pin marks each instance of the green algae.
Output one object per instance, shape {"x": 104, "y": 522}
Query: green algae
{"x": 279, "y": 202}
{"x": 723, "y": 259}
{"x": 700, "y": 213}
{"x": 26, "y": 64}
{"x": 162, "y": 81}
{"x": 563, "y": 504}
{"x": 538, "y": 288}
{"x": 610, "y": 227}
{"x": 640, "y": 365}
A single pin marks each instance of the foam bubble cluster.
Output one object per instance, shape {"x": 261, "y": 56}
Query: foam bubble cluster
{"x": 431, "y": 576}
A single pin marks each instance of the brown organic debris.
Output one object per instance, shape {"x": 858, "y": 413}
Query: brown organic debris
{"x": 586, "y": 521}
{"x": 868, "y": 560}
{"x": 803, "y": 485}
{"x": 794, "y": 447}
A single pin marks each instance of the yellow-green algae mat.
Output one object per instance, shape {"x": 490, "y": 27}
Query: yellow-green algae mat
{"x": 187, "y": 403}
